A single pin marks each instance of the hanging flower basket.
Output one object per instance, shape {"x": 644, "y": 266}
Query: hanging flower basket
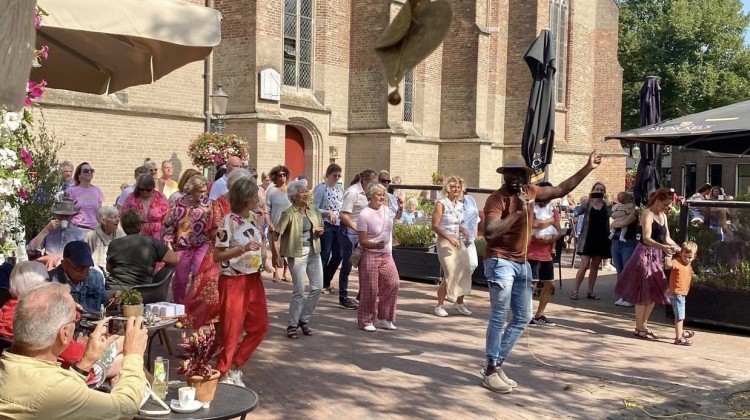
{"x": 209, "y": 149}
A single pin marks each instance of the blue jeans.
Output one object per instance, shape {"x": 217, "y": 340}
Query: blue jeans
{"x": 330, "y": 253}
{"x": 621, "y": 253}
{"x": 348, "y": 241}
{"x": 510, "y": 288}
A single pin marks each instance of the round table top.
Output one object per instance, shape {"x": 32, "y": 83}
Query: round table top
{"x": 229, "y": 402}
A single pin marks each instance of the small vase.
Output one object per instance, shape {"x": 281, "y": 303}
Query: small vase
{"x": 204, "y": 388}
{"x": 132, "y": 310}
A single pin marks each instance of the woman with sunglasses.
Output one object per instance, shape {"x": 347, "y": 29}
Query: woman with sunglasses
{"x": 277, "y": 201}
{"x": 150, "y": 204}
{"x": 86, "y": 197}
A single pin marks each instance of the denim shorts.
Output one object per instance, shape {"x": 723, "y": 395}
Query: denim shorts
{"x": 678, "y": 305}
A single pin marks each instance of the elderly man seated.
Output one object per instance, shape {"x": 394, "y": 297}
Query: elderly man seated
{"x": 34, "y": 386}
{"x": 27, "y": 275}
{"x": 106, "y": 231}
{"x": 131, "y": 260}
{"x": 86, "y": 285}
{"x": 49, "y": 243}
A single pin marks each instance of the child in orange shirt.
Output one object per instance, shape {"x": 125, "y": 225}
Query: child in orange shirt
{"x": 679, "y": 285}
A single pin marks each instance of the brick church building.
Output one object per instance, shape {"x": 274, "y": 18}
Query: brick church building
{"x": 306, "y": 89}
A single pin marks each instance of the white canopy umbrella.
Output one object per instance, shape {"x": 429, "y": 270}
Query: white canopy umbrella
{"x": 103, "y": 46}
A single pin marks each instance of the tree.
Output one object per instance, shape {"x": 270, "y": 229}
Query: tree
{"x": 695, "y": 47}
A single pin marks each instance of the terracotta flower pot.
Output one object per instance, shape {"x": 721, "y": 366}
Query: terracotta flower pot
{"x": 132, "y": 310}
{"x": 204, "y": 388}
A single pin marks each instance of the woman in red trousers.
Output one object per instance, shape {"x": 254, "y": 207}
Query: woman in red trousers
{"x": 238, "y": 249}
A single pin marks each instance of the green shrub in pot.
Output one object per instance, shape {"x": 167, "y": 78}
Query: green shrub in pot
{"x": 414, "y": 236}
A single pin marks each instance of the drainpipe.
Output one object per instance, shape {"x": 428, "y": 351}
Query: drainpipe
{"x": 207, "y": 87}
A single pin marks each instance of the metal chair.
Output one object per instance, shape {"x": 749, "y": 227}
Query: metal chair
{"x": 158, "y": 290}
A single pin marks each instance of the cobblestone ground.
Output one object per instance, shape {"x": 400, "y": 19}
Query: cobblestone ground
{"x": 588, "y": 366}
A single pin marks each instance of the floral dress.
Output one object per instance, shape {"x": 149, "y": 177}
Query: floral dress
{"x": 153, "y": 219}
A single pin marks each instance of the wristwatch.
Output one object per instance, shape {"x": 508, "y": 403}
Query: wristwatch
{"x": 80, "y": 371}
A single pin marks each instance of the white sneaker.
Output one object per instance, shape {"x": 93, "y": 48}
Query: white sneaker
{"x": 609, "y": 267}
{"x": 369, "y": 328}
{"x": 462, "y": 309}
{"x": 384, "y": 324}
{"x": 440, "y": 311}
{"x": 236, "y": 376}
{"x": 623, "y": 302}
{"x": 227, "y": 381}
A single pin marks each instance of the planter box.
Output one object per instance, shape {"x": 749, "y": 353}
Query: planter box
{"x": 418, "y": 263}
{"x": 721, "y": 307}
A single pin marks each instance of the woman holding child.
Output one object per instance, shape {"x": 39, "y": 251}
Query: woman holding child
{"x": 642, "y": 281}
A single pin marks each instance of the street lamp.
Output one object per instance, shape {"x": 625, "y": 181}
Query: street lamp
{"x": 635, "y": 153}
{"x": 219, "y": 102}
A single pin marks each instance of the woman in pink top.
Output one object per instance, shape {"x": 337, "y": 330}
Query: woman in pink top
{"x": 86, "y": 198}
{"x": 378, "y": 277}
{"x": 149, "y": 203}
{"x": 186, "y": 229}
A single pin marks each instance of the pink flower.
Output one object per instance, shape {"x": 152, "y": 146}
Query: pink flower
{"x": 35, "y": 90}
{"x": 23, "y": 194}
{"x": 27, "y": 157}
{"x": 44, "y": 52}
{"x": 38, "y": 19}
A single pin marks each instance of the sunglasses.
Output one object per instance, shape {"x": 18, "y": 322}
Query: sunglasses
{"x": 385, "y": 181}
{"x": 147, "y": 190}
{"x": 283, "y": 174}
{"x": 87, "y": 171}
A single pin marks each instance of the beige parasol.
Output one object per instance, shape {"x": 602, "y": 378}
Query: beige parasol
{"x": 103, "y": 46}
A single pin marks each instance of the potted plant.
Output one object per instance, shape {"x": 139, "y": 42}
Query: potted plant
{"x": 415, "y": 255}
{"x": 201, "y": 346}
{"x": 132, "y": 303}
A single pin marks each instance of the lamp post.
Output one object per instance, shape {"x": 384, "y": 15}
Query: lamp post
{"x": 219, "y": 102}
{"x": 635, "y": 153}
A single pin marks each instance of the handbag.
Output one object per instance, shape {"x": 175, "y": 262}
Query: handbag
{"x": 359, "y": 251}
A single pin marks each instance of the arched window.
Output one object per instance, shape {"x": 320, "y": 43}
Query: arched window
{"x": 298, "y": 35}
{"x": 558, "y": 12}
{"x": 409, "y": 96}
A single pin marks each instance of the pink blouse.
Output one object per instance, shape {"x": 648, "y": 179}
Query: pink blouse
{"x": 153, "y": 218}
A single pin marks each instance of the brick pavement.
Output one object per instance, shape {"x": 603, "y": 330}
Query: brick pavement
{"x": 589, "y": 366}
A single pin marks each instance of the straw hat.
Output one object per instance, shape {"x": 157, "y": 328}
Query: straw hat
{"x": 64, "y": 208}
{"x": 515, "y": 162}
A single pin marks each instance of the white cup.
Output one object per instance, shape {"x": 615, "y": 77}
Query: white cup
{"x": 720, "y": 197}
{"x": 186, "y": 395}
{"x": 64, "y": 224}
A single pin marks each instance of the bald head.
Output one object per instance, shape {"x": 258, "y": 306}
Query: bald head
{"x": 233, "y": 163}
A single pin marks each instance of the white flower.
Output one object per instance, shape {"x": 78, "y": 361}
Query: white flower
{"x": 10, "y": 123}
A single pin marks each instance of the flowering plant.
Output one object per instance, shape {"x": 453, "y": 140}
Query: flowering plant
{"x": 210, "y": 149}
{"x": 200, "y": 347}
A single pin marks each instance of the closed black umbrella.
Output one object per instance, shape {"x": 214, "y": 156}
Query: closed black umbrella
{"x": 647, "y": 175}
{"x": 539, "y": 130}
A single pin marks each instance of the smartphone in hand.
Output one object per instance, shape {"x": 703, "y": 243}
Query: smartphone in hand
{"x": 117, "y": 326}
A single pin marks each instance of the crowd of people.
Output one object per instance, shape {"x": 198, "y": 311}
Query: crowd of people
{"x": 222, "y": 235}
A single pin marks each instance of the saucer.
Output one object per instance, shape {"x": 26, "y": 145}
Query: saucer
{"x": 194, "y": 406}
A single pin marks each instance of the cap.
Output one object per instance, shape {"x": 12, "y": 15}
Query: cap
{"x": 79, "y": 253}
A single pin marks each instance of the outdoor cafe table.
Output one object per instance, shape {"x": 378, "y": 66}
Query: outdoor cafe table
{"x": 229, "y": 402}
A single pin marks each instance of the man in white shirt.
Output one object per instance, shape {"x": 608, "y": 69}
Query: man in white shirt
{"x": 354, "y": 201}
{"x": 220, "y": 185}
{"x": 141, "y": 170}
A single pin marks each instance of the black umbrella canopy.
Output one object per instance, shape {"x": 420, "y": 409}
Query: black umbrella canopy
{"x": 539, "y": 131}
{"x": 647, "y": 175}
{"x": 724, "y": 130}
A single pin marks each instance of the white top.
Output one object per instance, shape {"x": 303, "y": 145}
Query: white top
{"x": 354, "y": 201}
{"x": 219, "y": 188}
{"x": 236, "y": 230}
{"x": 121, "y": 199}
{"x": 453, "y": 216}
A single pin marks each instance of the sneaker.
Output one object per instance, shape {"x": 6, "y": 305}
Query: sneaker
{"x": 369, "y": 328}
{"x": 609, "y": 267}
{"x": 542, "y": 320}
{"x": 236, "y": 376}
{"x": 496, "y": 384}
{"x": 384, "y": 324}
{"x": 462, "y": 309}
{"x": 440, "y": 311}
{"x": 349, "y": 303}
{"x": 325, "y": 291}
{"x": 623, "y": 302}
{"x": 227, "y": 381}
{"x": 502, "y": 374}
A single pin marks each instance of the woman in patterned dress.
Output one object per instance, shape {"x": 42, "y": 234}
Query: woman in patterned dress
{"x": 186, "y": 230}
